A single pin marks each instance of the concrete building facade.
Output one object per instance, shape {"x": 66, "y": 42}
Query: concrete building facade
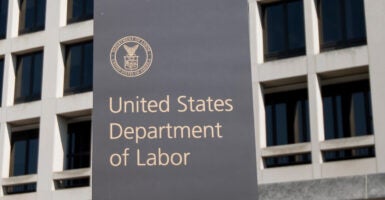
{"x": 319, "y": 166}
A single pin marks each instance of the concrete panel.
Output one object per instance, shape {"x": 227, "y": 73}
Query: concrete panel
{"x": 348, "y": 168}
{"x": 342, "y": 59}
{"x": 29, "y": 42}
{"x": 330, "y": 189}
{"x": 376, "y": 186}
{"x": 77, "y": 193}
{"x": 77, "y": 31}
{"x": 285, "y": 68}
{"x": 72, "y": 103}
{"x": 29, "y": 196}
{"x": 24, "y": 111}
{"x": 285, "y": 174}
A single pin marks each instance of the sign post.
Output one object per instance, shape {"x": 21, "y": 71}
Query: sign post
{"x": 172, "y": 115}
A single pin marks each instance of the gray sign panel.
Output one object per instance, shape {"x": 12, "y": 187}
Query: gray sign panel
{"x": 172, "y": 115}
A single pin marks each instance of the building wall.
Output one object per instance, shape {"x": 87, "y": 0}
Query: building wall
{"x": 50, "y": 113}
{"x": 55, "y": 109}
{"x": 346, "y": 64}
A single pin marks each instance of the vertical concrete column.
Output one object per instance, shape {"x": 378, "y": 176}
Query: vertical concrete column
{"x": 9, "y": 64}
{"x": 260, "y": 126}
{"x": 7, "y": 100}
{"x": 256, "y": 51}
{"x": 5, "y": 152}
{"x": 315, "y": 99}
{"x": 13, "y": 18}
{"x": 311, "y": 27}
{"x": 7, "y": 92}
{"x": 316, "y": 122}
{"x": 375, "y": 28}
{"x": 9, "y": 80}
{"x": 50, "y": 148}
{"x": 256, "y": 32}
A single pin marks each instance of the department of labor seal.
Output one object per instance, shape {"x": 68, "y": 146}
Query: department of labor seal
{"x": 131, "y": 56}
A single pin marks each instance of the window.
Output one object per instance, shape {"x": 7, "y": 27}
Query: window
{"x": 24, "y": 152}
{"x": 347, "y": 110}
{"x": 1, "y": 79}
{"x": 18, "y": 189}
{"x": 348, "y": 154}
{"x": 342, "y": 23}
{"x": 287, "y": 160}
{"x": 79, "y": 10}
{"x": 79, "y": 66}
{"x": 287, "y": 117}
{"x": 72, "y": 183}
{"x": 28, "y": 77}
{"x": 3, "y": 18}
{"x": 78, "y": 145}
{"x": 32, "y": 16}
{"x": 284, "y": 29}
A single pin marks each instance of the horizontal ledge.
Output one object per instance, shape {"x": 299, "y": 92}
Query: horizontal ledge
{"x": 74, "y": 173}
{"x": 345, "y": 143}
{"x": 286, "y": 149}
{"x": 18, "y": 180}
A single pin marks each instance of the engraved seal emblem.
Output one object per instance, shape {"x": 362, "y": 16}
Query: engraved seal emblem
{"x": 131, "y": 56}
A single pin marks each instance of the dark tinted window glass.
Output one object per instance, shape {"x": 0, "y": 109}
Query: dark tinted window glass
{"x": 284, "y": 29}
{"x": 71, "y": 183}
{"x": 275, "y": 20}
{"x": 342, "y": 23}
{"x": 1, "y": 79}
{"x": 37, "y": 74}
{"x": 28, "y": 77}
{"x": 286, "y": 160}
{"x": 347, "y": 110}
{"x": 24, "y": 152}
{"x": 296, "y": 30}
{"x": 287, "y": 118}
{"x": 17, "y": 189}
{"x": 347, "y": 154}
{"x": 79, "y": 10}
{"x": 3, "y": 18}
{"x": 79, "y": 145}
{"x": 79, "y": 67}
{"x": 40, "y": 13}
{"x": 355, "y": 19}
{"x": 32, "y": 15}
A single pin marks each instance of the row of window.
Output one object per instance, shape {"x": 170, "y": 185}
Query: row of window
{"x": 25, "y": 148}
{"x": 347, "y": 112}
{"x": 341, "y": 24}
{"x": 327, "y": 156}
{"x": 346, "y": 107}
{"x": 32, "y": 14}
{"x": 29, "y": 67}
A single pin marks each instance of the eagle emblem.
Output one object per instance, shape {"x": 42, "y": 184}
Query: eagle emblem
{"x": 134, "y": 59}
{"x": 131, "y": 60}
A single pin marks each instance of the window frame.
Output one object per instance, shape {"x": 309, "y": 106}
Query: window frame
{"x": 287, "y": 160}
{"x": 84, "y": 17}
{"x": 22, "y": 18}
{"x": 286, "y": 53}
{"x": 348, "y": 154}
{"x": 344, "y": 43}
{"x": 275, "y": 98}
{"x": 20, "y": 136}
{"x": 20, "y": 188}
{"x": 18, "y": 84}
{"x": 346, "y": 121}
{"x": 70, "y": 155}
{"x": 67, "y": 72}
